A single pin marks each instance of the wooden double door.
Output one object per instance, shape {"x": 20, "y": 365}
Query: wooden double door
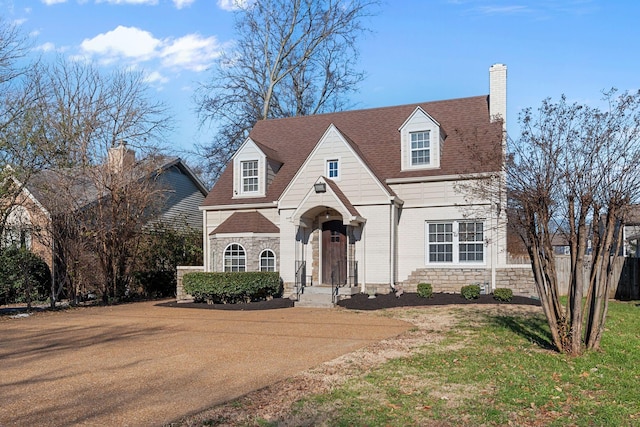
{"x": 334, "y": 253}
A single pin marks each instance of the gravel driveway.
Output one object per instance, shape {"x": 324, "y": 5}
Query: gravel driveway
{"x": 142, "y": 364}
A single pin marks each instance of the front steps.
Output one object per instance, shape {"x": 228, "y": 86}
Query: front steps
{"x": 319, "y": 296}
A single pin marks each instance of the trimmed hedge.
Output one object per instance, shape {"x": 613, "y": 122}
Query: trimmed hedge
{"x": 425, "y": 290}
{"x": 502, "y": 294}
{"x": 231, "y": 288}
{"x": 470, "y": 291}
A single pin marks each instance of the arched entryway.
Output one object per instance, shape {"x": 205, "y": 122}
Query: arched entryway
{"x": 334, "y": 253}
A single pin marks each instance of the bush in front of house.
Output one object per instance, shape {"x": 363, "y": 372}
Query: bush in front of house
{"x": 502, "y": 294}
{"x": 231, "y": 288}
{"x": 425, "y": 290}
{"x": 470, "y": 291}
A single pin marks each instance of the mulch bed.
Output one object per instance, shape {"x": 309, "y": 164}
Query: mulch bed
{"x": 364, "y": 302}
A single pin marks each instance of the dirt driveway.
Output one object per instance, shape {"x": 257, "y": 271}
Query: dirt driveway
{"x": 142, "y": 364}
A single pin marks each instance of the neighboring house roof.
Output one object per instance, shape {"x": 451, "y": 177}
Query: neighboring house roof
{"x": 82, "y": 188}
{"x": 374, "y": 135}
{"x": 246, "y": 222}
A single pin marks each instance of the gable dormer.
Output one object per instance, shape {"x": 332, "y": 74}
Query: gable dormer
{"x": 253, "y": 170}
{"x": 421, "y": 139}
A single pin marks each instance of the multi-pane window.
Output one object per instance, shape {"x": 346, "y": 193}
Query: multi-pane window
{"x": 440, "y": 242}
{"x": 420, "y": 148}
{"x": 267, "y": 260}
{"x": 457, "y": 241}
{"x": 332, "y": 168}
{"x": 250, "y": 176}
{"x": 235, "y": 258}
{"x": 471, "y": 238}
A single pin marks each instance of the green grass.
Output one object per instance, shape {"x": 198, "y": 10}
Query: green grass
{"x": 500, "y": 370}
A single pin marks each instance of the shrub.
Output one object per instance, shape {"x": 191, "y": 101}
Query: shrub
{"x": 216, "y": 288}
{"x": 502, "y": 294}
{"x": 470, "y": 291}
{"x": 24, "y": 276}
{"x": 425, "y": 290}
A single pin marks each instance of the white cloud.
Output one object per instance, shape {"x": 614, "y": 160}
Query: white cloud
{"x": 149, "y": 2}
{"x": 191, "y": 52}
{"x": 134, "y": 47}
{"x": 156, "y": 77}
{"x": 182, "y": 3}
{"x": 231, "y": 5}
{"x": 128, "y": 42}
{"x": 52, "y": 2}
{"x": 46, "y": 47}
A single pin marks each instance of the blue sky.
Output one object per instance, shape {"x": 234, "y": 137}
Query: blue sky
{"x": 417, "y": 51}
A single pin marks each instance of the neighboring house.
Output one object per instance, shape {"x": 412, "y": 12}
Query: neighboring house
{"x": 631, "y": 232}
{"x": 29, "y": 219}
{"x": 369, "y": 199}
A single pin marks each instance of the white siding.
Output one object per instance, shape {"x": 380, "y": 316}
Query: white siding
{"x": 288, "y": 247}
{"x": 412, "y": 237}
{"x": 373, "y": 250}
{"x": 355, "y": 181}
{"x": 249, "y": 151}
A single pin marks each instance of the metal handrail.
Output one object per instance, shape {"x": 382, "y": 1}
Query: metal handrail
{"x": 301, "y": 277}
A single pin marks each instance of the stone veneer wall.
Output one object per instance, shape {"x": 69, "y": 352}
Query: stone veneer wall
{"x": 253, "y": 246}
{"x": 181, "y": 296}
{"x": 518, "y": 278}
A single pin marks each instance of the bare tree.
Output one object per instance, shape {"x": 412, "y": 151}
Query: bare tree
{"x": 98, "y": 203}
{"x": 574, "y": 171}
{"x": 291, "y": 58}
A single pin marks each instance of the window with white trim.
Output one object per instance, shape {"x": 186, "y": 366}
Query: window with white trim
{"x": 267, "y": 260}
{"x": 420, "y": 148}
{"x": 333, "y": 168}
{"x": 250, "y": 176}
{"x": 455, "y": 242}
{"x": 235, "y": 258}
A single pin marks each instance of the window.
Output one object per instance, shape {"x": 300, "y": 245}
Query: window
{"x": 250, "y": 176}
{"x": 420, "y": 148}
{"x": 471, "y": 238}
{"x": 457, "y": 241}
{"x": 441, "y": 242}
{"x": 332, "y": 168}
{"x": 267, "y": 260}
{"x": 17, "y": 231}
{"x": 235, "y": 258}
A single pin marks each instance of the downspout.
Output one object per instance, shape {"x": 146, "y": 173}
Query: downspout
{"x": 363, "y": 286}
{"x": 392, "y": 245}
{"x": 494, "y": 244}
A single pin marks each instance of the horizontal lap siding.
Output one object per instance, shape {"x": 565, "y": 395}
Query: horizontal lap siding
{"x": 183, "y": 199}
{"x": 354, "y": 180}
{"x": 372, "y": 252}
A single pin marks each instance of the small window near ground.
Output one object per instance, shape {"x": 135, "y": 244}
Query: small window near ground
{"x": 235, "y": 258}
{"x": 267, "y": 260}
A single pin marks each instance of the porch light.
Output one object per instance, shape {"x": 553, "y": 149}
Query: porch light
{"x": 320, "y": 187}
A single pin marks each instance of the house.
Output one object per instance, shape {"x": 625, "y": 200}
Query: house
{"x": 367, "y": 200}
{"x": 50, "y": 193}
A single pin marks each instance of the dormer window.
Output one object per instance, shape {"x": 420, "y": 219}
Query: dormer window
{"x": 250, "y": 176}
{"x": 421, "y": 140}
{"x": 420, "y": 148}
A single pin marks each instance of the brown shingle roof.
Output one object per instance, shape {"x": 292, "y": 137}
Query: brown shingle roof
{"x": 340, "y": 195}
{"x": 472, "y": 143}
{"x": 246, "y": 222}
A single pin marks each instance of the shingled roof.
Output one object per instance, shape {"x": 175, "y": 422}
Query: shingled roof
{"x": 470, "y": 145}
{"x": 246, "y": 222}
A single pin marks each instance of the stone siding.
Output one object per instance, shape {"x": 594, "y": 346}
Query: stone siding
{"x": 517, "y": 278}
{"x": 181, "y": 296}
{"x": 253, "y": 246}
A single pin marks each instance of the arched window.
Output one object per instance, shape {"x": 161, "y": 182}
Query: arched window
{"x": 235, "y": 258}
{"x": 267, "y": 260}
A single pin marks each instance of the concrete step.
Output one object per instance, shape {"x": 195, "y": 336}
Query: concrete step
{"x": 318, "y": 300}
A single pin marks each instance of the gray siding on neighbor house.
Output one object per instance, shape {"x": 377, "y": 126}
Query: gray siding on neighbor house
{"x": 183, "y": 199}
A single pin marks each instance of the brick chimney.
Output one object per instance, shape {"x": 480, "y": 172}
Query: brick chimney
{"x": 120, "y": 157}
{"x": 498, "y": 93}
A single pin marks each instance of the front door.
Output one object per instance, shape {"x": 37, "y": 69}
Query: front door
{"x": 334, "y": 253}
